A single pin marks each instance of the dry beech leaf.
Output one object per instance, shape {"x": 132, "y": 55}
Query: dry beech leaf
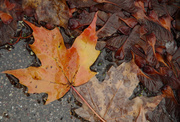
{"x": 60, "y": 67}
{"x": 110, "y": 98}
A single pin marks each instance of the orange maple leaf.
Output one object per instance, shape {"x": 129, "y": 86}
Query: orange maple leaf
{"x": 61, "y": 68}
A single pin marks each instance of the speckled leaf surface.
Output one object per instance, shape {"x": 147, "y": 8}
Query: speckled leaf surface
{"x": 60, "y": 67}
{"x": 110, "y": 98}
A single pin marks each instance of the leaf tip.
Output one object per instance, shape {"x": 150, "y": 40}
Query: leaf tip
{"x": 93, "y": 23}
{"x": 33, "y": 27}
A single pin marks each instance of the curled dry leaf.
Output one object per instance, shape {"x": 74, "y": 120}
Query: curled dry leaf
{"x": 110, "y": 98}
{"x": 6, "y": 18}
{"x": 61, "y": 68}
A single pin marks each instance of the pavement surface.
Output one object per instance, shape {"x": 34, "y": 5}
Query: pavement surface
{"x": 16, "y": 105}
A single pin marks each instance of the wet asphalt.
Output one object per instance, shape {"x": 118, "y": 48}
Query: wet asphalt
{"x": 18, "y": 106}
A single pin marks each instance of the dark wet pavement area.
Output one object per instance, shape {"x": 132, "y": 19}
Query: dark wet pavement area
{"x": 18, "y": 106}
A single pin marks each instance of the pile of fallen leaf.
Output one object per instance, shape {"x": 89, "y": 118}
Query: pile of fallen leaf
{"x": 132, "y": 46}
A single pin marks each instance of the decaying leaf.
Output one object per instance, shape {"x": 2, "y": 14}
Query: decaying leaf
{"x": 6, "y": 18}
{"x": 54, "y": 12}
{"x": 80, "y": 3}
{"x": 10, "y": 13}
{"x": 167, "y": 111}
{"x": 111, "y": 26}
{"x": 158, "y": 24}
{"x": 127, "y": 5}
{"x": 60, "y": 67}
{"x": 110, "y": 98}
{"x": 85, "y": 18}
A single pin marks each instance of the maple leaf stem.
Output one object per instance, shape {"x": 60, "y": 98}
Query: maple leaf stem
{"x": 18, "y": 39}
{"x": 88, "y": 104}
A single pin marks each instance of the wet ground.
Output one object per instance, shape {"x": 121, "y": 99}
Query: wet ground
{"x": 18, "y": 106}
